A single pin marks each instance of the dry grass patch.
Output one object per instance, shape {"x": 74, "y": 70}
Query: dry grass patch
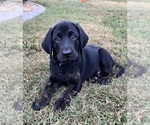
{"x": 11, "y": 63}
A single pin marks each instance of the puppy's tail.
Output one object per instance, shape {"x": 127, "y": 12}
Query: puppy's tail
{"x": 121, "y": 69}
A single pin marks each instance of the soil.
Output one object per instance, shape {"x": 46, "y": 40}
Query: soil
{"x": 8, "y": 6}
{"x": 11, "y": 6}
{"x": 28, "y": 6}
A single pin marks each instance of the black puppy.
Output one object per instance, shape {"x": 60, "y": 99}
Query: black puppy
{"x": 72, "y": 62}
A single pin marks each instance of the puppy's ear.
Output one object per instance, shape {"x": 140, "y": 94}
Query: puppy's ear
{"x": 83, "y": 38}
{"x": 47, "y": 43}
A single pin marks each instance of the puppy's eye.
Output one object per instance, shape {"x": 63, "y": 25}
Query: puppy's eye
{"x": 73, "y": 37}
{"x": 57, "y": 39}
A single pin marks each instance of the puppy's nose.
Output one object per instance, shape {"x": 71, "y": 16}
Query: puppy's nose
{"x": 66, "y": 53}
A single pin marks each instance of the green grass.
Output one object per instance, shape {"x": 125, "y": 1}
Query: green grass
{"x": 117, "y": 21}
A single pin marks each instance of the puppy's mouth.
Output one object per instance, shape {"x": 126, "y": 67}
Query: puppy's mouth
{"x": 67, "y": 58}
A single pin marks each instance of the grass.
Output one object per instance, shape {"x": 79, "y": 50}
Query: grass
{"x": 117, "y": 23}
{"x": 119, "y": 1}
{"x": 138, "y": 47}
{"x": 124, "y": 101}
{"x": 11, "y": 63}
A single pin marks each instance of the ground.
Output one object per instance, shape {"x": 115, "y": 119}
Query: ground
{"x": 9, "y": 6}
{"x": 123, "y": 32}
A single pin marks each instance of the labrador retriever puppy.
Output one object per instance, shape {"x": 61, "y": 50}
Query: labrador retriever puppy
{"x": 71, "y": 63}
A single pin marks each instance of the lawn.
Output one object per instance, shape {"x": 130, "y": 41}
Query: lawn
{"x": 123, "y": 32}
{"x": 11, "y": 70}
{"x": 107, "y": 24}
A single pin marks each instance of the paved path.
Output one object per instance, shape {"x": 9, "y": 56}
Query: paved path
{"x": 29, "y": 15}
{"x": 13, "y": 14}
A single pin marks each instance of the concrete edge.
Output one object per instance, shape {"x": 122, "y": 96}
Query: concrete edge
{"x": 10, "y": 15}
{"x": 29, "y": 15}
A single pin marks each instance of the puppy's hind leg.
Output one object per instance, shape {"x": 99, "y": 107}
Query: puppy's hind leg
{"x": 105, "y": 64}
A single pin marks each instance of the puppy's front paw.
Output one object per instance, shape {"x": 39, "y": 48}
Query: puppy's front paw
{"x": 38, "y": 104}
{"x": 60, "y": 104}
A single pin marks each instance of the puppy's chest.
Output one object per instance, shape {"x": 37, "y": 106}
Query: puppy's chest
{"x": 65, "y": 74}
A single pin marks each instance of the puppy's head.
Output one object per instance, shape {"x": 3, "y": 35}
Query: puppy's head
{"x": 65, "y": 41}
